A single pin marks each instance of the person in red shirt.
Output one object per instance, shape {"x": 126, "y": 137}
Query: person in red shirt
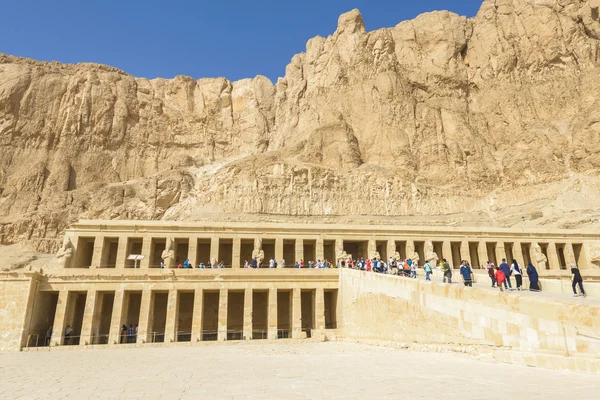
{"x": 500, "y": 277}
{"x": 368, "y": 264}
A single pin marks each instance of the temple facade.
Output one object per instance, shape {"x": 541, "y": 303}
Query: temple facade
{"x": 121, "y": 282}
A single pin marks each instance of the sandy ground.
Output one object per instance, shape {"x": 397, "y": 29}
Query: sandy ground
{"x": 278, "y": 371}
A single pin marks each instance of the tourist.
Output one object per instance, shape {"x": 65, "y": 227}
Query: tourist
{"x": 413, "y": 270}
{"x": 466, "y": 273}
{"x": 406, "y": 268}
{"x": 301, "y": 263}
{"x": 447, "y": 271}
{"x": 310, "y": 264}
{"x": 186, "y": 263}
{"x": 201, "y": 265}
{"x": 534, "y": 282}
{"x": 394, "y": 265}
{"x": 428, "y": 271}
{"x": 179, "y": 265}
{"x": 271, "y": 263}
{"x": 162, "y": 264}
{"x": 135, "y": 333}
{"x": 506, "y": 271}
{"x": 130, "y": 334}
{"x": 283, "y": 263}
{"x": 516, "y": 270}
{"x": 297, "y": 265}
{"x": 254, "y": 263}
{"x": 48, "y": 336}
{"x": 68, "y": 333}
{"x": 500, "y": 277}
{"x": 490, "y": 270}
{"x": 123, "y": 333}
{"x": 576, "y": 279}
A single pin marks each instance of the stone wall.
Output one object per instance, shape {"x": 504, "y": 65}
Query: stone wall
{"x": 14, "y": 293}
{"x": 519, "y": 328}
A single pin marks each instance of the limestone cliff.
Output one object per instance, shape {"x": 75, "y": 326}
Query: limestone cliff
{"x": 442, "y": 119}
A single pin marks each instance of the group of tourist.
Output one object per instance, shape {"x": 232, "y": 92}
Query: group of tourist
{"x": 500, "y": 275}
{"x": 129, "y": 335}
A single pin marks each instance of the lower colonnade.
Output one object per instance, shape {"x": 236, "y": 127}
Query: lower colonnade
{"x": 167, "y": 308}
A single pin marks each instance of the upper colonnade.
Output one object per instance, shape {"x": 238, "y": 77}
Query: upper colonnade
{"x": 106, "y": 245}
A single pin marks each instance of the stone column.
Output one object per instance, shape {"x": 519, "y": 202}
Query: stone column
{"x": 146, "y": 247}
{"x": 391, "y": 248}
{"x": 482, "y": 252}
{"x": 247, "y": 333}
{"x": 145, "y": 306}
{"x": 222, "y": 326}
{"x": 88, "y": 318}
{"x": 299, "y": 250}
{"x": 569, "y": 255}
{"x": 320, "y": 249}
{"x": 409, "y": 249}
{"x": 296, "y": 314}
{"x": 553, "y": 261}
{"x": 539, "y": 265}
{"x": 214, "y": 250}
{"x": 236, "y": 253}
{"x": 320, "y": 309}
{"x": 447, "y": 251}
{"x": 279, "y": 251}
{"x": 465, "y": 254}
{"x": 98, "y": 249}
{"x": 517, "y": 251}
{"x": 117, "y": 315}
{"x": 171, "y": 326}
{"x": 501, "y": 253}
{"x": 197, "y": 316}
{"x": 193, "y": 250}
{"x": 121, "y": 253}
{"x": 60, "y": 319}
{"x": 372, "y": 249}
{"x": 272, "y": 319}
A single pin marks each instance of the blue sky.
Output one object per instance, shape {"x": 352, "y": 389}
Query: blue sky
{"x": 235, "y": 39}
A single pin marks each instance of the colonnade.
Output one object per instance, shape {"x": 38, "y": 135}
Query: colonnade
{"x": 185, "y": 313}
{"x": 102, "y": 251}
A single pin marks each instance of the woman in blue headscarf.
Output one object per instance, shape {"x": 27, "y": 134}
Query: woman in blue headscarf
{"x": 534, "y": 281}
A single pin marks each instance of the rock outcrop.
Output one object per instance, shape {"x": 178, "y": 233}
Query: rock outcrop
{"x": 442, "y": 119}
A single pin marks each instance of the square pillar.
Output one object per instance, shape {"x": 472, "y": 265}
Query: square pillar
{"x": 121, "y": 253}
{"x": 272, "y": 318}
{"x": 193, "y": 250}
{"x": 222, "y": 327}
{"x": 320, "y": 309}
{"x": 142, "y": 334}
{"x": 88, "y": 318}
{"x": 299, "y": 250}
{"x": 115, "y": 321}
{"x": 372, "y": 249}
{"x": 447, "y": 251}
{"x": 320, "y": 249}
{"x": 482, "y": 253}
{"x": 391, "y": 248}
{"x": 279, "y": 250}
{"x": 501, "y": 253}
{"x": 517, "y": 251}
{"x": 214, "y": 250}
{"x": 296, "y": 314}
{"x": 60, "y": 319}
{"x": 553, "y": 262}
{"x": 98, "y": 249}
{"x": 197, "y": 316}
{"x": 171, "y": 326}
{"x": 247, "y": 333}
{"x": 464, "y": 251}
{"x": 236, "y": 256}
{"x": 569, "y": 255}
{"x": 146, "y": 246}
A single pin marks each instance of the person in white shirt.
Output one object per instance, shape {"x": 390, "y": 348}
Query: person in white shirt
{"x": 515, "y": 270}
{"x": 271, "y": 263}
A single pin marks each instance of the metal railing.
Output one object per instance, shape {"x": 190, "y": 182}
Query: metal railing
{"x": 210, "y": 335}
{"x": 99, "y": 339}
{"x": 183, "y": 336}
{"x": 71, "y": 340}
{"x": 235, "y": 334}
{"x": 156, "y": 337}
{"x": 38, "y": 340}
{"x": 284, "y": 333}
{"x": 260, "y": 334}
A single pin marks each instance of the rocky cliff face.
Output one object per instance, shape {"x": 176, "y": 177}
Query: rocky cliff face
{"x": 490, "y": 120}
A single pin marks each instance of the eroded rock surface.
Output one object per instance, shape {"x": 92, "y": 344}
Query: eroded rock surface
{"x": 443, "y": 119}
